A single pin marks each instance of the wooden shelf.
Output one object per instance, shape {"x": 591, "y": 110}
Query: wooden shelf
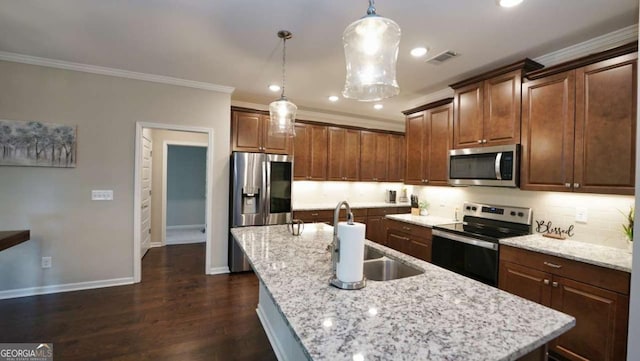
{"x": 12, "y": 238}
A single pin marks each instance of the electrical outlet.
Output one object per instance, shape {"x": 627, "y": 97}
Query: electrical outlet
{"x": 582, "y": 214}
{"x": 46, "y": 262}
{"x": 101, "y": 195}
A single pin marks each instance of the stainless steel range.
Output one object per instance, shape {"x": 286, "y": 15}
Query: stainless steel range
{"x": 471, "y": 248}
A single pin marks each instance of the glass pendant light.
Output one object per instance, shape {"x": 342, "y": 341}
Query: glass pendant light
{"x": 282, "y": 112}
{"x": 371, "y": 52}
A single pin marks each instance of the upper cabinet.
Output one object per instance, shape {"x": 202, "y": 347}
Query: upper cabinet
{"x": 397, "y": 160}
{"x": 374, "y": 156}
{"x": 344, "y": 154}
{"x": 578, "y": 125}
{"x": 310, "y": 152}
{"x": 429, "y": 136}
{"x": 487, "y": 107}
{"x": 250, "y": 133}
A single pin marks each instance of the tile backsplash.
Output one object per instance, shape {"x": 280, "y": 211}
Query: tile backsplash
{"x": 605, "y": 213}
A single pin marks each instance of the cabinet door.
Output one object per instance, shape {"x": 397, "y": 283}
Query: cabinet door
{"x": 440, "y": 129}
{"x": 374, "y": 155}
{"x": 398, "y": 241}
{"x": 420, "y": 249}
{"x": 381, "y": 165}
{"x": 468, "y": 124}
{"x": 396, "y": 158}
{"x": 376, "y": 231}
{"x": 502, "y": 109}
{"x": 275, "y": 143}
{"x": 301, "y": 152}
{"x": 548, "y": 133}
{"x": 601, "y": 321}
{"x": 606, "y": 126}
{"x": 415, "y": 149}
{"x": 351, "y": 154}
{"x": 318, "y": 138}
{"x": 246, "y": 132}
{"x": 525, "y": 282}
{"x": 336, "y": 149}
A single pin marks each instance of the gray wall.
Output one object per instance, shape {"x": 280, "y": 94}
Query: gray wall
{"x": 90, "y": 240}
{"x": 186, "y": 185}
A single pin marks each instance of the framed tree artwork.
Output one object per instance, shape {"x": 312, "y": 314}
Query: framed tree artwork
{"x": 39, "y": 144}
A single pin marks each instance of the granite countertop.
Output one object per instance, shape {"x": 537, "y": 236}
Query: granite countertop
{"x": 332, "y": 205}
{"x": 438, "y": 315}
{"x": 609, "y": 257}
{"x": 425, "y": 221}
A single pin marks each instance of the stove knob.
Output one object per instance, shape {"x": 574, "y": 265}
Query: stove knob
{"x": 513, "y": 214}
{"x": 474, "y": 209}
{"x": 468, "y": 208}
{"x": 520, "y": 214}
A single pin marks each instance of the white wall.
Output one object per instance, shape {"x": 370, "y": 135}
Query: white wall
{"x": 93, "y": 241}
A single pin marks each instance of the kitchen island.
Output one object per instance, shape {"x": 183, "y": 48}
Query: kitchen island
{"x": 438, "y": 315}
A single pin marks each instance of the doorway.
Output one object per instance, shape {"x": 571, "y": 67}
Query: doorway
{"x": 183, "y": 192}
{"x": 162, "y": 136}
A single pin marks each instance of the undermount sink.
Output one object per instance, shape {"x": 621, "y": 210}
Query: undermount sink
{"x": 386, "y": 269}
{"x": 372, "y": 253}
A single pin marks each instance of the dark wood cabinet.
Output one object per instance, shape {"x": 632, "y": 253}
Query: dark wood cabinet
{"x": 250, "y": 133}
{"x": 396, "y": 159}
{"x": 408, "y": 238}
{"x": 487, "y": 107}
{"x": 310, "y": 152}
{"x": 344, "y": 154}
{"x": 578, "y": 128}
{"x": 376, "y": 225}
{"x": 597, "y": 297}
{"x": 374, "y": 156}
{"x": 429, "y": 136}
{"x": 314, "y": 216}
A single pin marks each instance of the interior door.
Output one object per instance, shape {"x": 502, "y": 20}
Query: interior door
{"x": 145, "y": 197}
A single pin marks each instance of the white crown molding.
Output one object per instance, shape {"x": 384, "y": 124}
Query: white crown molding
{"x": 43, "y": 290}
{"x": 432, "y": 97}
{"x": 94, "y": 69}
{"x": 597, "y": 44}
{"x": 332, "y": 118}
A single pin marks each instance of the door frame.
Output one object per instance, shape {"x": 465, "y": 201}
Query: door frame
{"x": 165, "y": 155}
{"x": 137, "y": 261}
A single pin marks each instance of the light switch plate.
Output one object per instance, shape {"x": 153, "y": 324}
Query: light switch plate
{"x": 582, "y": 214}
{"x": 101, "y": 195}
{"x": 46, "y": 262}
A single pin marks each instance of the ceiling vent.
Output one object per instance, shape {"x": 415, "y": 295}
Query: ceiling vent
{"x": 442, "y": 57}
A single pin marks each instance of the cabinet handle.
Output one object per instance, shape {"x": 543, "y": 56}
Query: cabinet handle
{"x": 479, "y": 141}
{"x": 546, "y": 282}
{"x": 406, "y": 228}
{"x": 567, "y": 185}
{"x": 426, "y": 181}
{"x": 314, "y": 214}
{"x": 484, "y": 141}
{"x": 402, "y": 238}
{"x": 555, "y": 284}
{"x": 553, "y": 265}
{"x": 576, "y": 185}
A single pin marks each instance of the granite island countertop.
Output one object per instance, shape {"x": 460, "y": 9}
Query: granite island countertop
{"x": 603, "y": 256}
{"x": 438, "y": 315}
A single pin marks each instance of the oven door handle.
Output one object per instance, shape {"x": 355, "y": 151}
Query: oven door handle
{"x": 467, "y": 240}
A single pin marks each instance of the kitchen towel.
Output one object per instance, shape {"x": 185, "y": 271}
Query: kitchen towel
{"x": 350, "y": 265}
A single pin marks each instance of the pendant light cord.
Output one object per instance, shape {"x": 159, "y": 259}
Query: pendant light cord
{"x": 284, "y": 55}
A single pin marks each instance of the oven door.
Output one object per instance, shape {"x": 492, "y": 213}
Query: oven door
{"x": 474, "y": 258}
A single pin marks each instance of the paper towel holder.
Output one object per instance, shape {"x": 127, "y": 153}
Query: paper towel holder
{"x": 335, "y": 252}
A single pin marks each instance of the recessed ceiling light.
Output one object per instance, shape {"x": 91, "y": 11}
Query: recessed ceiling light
{"x": 378, "y": 106}
{"x": 333, "y": 98}
{"x": 508, "y": 3}
{"x": 274, "y": 87}
{"x": 418, "y": 52}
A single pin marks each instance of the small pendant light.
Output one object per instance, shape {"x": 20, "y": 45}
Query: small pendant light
{"x": 282, "y": 112}
{"x": 371, "y": 52}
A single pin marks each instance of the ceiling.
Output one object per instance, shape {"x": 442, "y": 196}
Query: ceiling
{"x": 234, "y": 42}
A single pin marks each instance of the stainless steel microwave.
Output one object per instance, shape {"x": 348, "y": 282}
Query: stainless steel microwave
{"x": 486, "y": 166}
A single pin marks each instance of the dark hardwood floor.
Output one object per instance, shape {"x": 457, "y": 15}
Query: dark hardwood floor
{"x": 175, "y": 313}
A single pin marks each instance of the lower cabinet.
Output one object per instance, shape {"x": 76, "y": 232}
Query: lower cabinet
{"x": 373, "y": 218}
{"x": 597, "y": 297}
{"x": 409, "y": 238}
{"x": 376, "y": 226}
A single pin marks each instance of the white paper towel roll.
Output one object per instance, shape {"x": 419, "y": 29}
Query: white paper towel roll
{"x": 351, "y": 251}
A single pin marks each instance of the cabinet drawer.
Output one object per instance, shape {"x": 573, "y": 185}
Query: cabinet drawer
{"x": 420, "y": 233}
{"x": 383, "y": 211}
{"x": 610, "y": 279}
{"x": 323, "y": 215}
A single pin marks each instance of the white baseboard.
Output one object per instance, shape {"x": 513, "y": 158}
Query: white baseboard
{"x": 43, "y": 290}
{"x": 185, "y": 241}
{"x": 218, "y": 270}
{"x": 188, "y": 226}
{"x": 156, "y": 244}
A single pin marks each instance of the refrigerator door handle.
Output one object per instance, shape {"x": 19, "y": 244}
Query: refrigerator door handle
{"x": 266, "y": 180}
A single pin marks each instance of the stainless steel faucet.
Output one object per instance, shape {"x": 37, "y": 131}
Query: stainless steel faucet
{"x": 335, "y": 251}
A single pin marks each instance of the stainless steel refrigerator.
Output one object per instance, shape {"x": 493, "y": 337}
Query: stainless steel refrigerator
{"x": 260, "y": 195}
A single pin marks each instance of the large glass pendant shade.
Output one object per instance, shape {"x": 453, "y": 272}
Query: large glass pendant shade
{"x": 282, "y": 115}
{"x": 371, "y": 52}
